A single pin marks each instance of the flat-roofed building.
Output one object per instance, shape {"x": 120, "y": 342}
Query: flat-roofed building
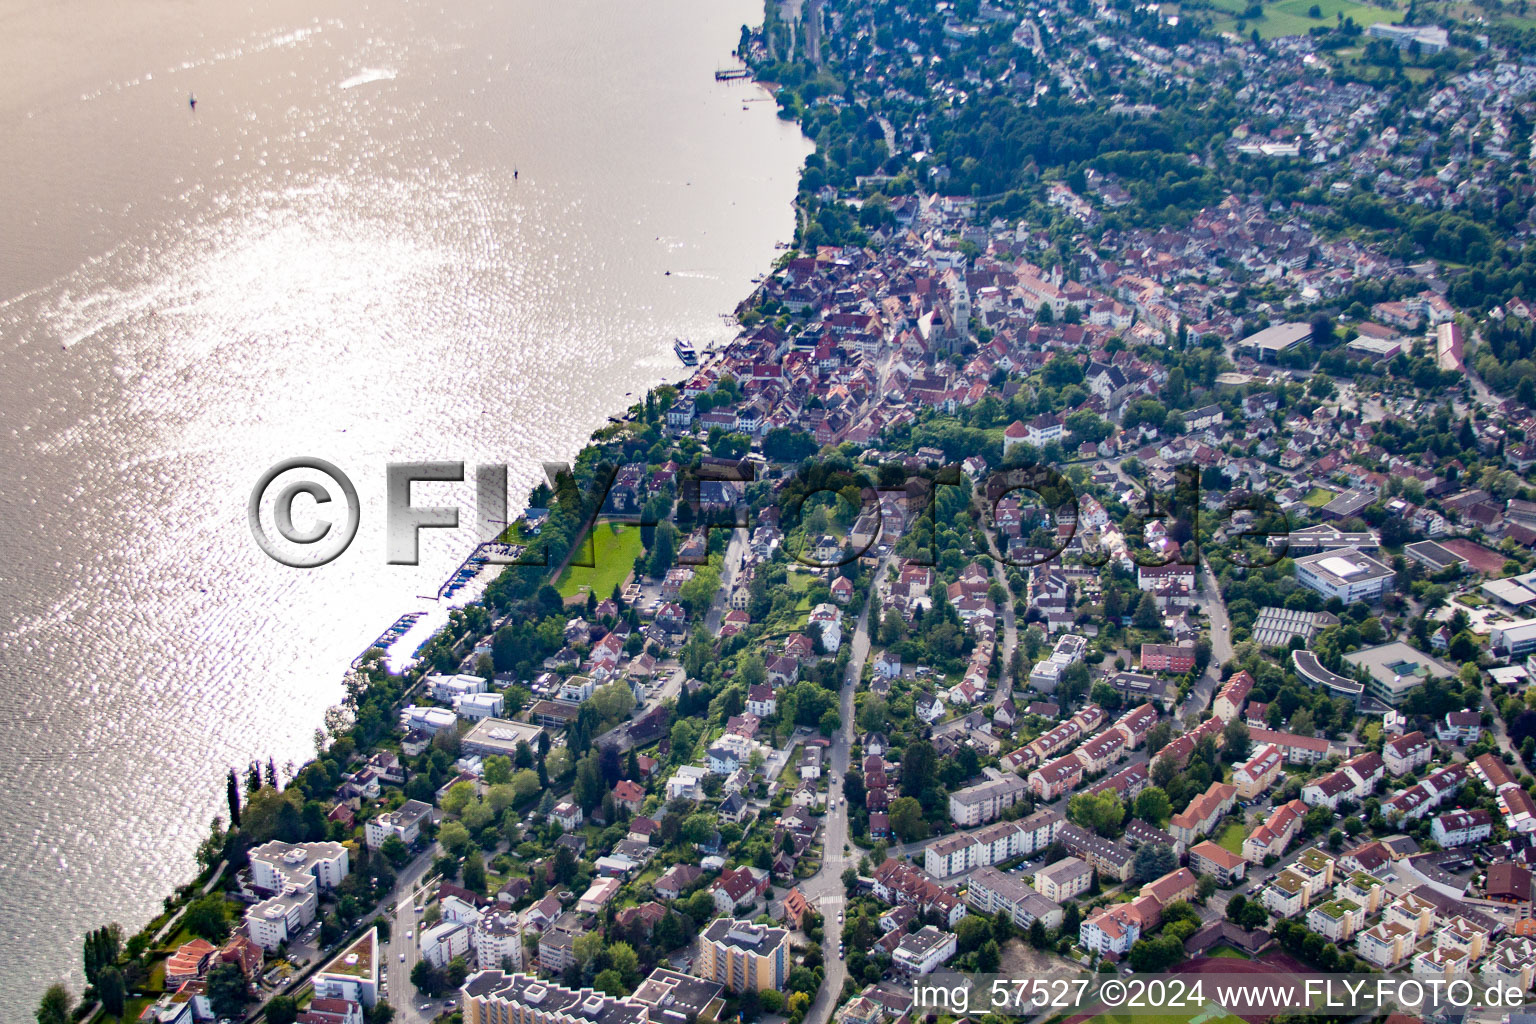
{"x": 1268, "y": 344}
{"x": 353, "y": 974}
{"x": 741, "y": 955}
{"x": 404, "y": 821}
{"x": 1346, "y": 573}
{"x": 499, "y": 736}
{"x": 675, "y": 998}
{"x": 1513, "y": 639}
{"x": 923, "y": 951}
{"x": 493, "y": 997}
{"x": 1394, "y": 668}
{"x": 1317, "y": 674}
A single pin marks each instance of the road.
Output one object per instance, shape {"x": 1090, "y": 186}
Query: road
{"x": 825, "y": 888}
{"x": 408, "y": 891}
{"x": 1500, "y": 731}
{"x": 1215, "y": 611}
{"x": 1010, "y": 640}
{"x": 735, "y": 554}
{"x": 735, "y": 551}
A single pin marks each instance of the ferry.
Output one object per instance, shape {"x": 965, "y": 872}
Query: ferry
{"x": 686, "y": 352}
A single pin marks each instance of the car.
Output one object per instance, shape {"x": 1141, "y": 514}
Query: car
{"x": 424, "y": 1006}
{"x": 409, "y": 933}
{"x": 402, "y": 958}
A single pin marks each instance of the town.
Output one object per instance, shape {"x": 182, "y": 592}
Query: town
{"x": 1106, "y": 545}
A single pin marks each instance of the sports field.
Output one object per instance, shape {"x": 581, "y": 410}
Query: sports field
{"x": 1294, "y": 18}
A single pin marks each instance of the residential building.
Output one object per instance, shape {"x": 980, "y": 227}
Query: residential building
{"x": 1064, "y": 879}
{"x": 404, "y": 821}
{"x": 1336, "y": 920}
{"x": 984, "y": 801}
{"x": 1203, "y": 812}
{"x": 353, "y": 974}
{"x": 1405, "y": 753}
{"x": 990, "y": 891}
{"x": 1220, "y": 863}
{"x": 1110, "y": 931}
{"x": 1385, "y": 945}
{"x": 922, "y": 951}
{"x": 992, "y": 844}
{"x": 1461, "y": 828}
{"x": 741, "y": 955}
{"x": 1259, "y": 772}
{"x": 494, "y": 997}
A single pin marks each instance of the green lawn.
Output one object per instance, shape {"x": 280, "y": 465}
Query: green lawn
{"x": 1292, "y": 18}
{"x": 616, "y": 546}
{"x": 1231, "y": 838}
{"x": 1318, "y": 497}
{"x": 1228, "y": 952}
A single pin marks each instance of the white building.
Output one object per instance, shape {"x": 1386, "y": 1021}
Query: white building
{"x": 1345, "y": 573}
{"x": 404, "y": 821}
{"x": 498, "y": 941}
{"x": 1110, "y": 930}
{"x": 922, "y": 951}
{"x": 293, "y": 875}
{"x": 475, "y": 706}
{"x": 446, "y": 688}
{"x": 1460, "y": 828}
{"x": 444, "y": 941}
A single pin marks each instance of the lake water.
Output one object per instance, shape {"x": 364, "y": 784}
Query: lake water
{"x": 330, "y": 256}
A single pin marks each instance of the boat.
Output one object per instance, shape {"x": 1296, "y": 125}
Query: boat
{"x": 686, "y": 352}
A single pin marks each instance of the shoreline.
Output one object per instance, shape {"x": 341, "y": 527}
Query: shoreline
{"x": 410, "y": 666}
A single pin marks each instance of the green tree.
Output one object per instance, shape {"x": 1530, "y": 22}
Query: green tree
{"x": 206, "y": 917}
{"x": 55, "y": 1006}
{"x": 907, "y": 821}
{"x": 1102, "y": 812}
{"x": 227, "y": 990}
{"x": 112, "y": 990}
{"x": 1152, "y": 806}
{"x": 474, "y": 872}
{"x": 971, "y": 931}
{"x": 1153, "y": 861}
{"x": 395, "y": 851}
{"x": 282, "y": 1010}
{"x": 498, "y": 770}
{"x": 454, "y": 837}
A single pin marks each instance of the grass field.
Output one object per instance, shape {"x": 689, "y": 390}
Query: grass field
{"x": 1231, "y": 838}
{"x": 1318, "y": 497}
{"x": 1228, "y": 952}
{"x": 616, "y": 546}
{"x": 1291, "y": 17}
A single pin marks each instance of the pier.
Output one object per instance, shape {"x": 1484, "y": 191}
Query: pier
{"x": 732, "y": 74}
